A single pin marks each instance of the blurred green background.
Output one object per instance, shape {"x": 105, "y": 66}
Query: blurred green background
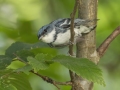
{"x": 20, "y": 20}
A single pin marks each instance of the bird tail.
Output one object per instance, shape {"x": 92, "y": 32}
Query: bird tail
{"x": 92, "y": 27}
{"x": 85, "y": 25}
{"x": 78, "y": 21}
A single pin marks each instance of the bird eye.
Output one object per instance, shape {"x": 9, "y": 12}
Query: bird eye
{"x": 45, "y": 30}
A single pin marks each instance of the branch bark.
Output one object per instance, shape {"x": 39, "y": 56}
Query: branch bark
{"x": 103, "y": 47}
{"x": 87, "y": 48}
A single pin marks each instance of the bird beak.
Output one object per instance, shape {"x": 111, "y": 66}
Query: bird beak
{"x": 40, "y": 37}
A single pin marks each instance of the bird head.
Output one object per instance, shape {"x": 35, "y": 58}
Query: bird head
{"x": 42, "y": 32}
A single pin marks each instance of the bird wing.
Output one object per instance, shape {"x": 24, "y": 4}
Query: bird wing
{"x": 65, "y": 23}
{"x": 62, "y": 23}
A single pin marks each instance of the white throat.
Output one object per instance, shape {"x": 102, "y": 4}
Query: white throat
{"x": 48, "y": 38}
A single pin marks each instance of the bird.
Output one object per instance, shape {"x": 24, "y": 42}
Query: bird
{"x": 57, "y": 33}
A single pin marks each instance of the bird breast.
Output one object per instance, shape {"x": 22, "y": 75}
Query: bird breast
{"x": 62, "y": 38}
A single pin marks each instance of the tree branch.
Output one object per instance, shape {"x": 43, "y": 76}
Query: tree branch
{"x": 103, "y": 47}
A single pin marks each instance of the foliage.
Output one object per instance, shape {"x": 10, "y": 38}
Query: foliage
{"x": 82, "y": 67}
{"x": 13, "y": 81}
{"x": 24, "y": 52}
{"x": 38, "y": 63}
{"x": 4, "y": 61}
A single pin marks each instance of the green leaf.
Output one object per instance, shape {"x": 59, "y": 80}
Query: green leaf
{"x": 46, "y": 50}
{"x": 82, "y": 67}
{"x": 13, "y": 81}
{"x": 4, "y": 72}
{"x": 6, "y": 87}
{"x": 24, "y": 69}
{"x": 20, "y": 81}
{"x": 23, "y": 54}
{"x": 43, "y": 57}
{"x": 18, "y": 46}
{"x": 39, "y": 62}
{"x": 4, "y": 61}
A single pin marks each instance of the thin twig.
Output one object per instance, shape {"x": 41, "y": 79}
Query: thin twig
{"x": 72, "y": 33}
{"x": 103, "y": 47}
{"x": 72, "y": 28}
{"x": 17, "y": 57}
{"x": 47, "y": 79}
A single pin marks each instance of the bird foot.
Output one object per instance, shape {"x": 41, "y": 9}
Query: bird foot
{"x": 71, "y": 43}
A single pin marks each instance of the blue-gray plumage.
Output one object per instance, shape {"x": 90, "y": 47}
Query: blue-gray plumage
{"x": 57, "y": 33}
